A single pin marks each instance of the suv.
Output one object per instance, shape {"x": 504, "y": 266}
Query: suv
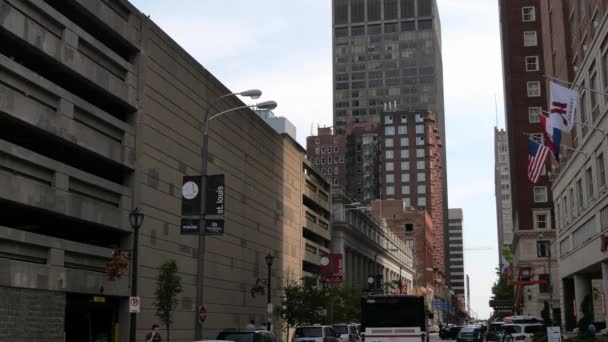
{"x": 315, "y": 333}
{"x": 347, "y": 332}
{"x": 517, "y": 332}
{"x": 247, "y": 336}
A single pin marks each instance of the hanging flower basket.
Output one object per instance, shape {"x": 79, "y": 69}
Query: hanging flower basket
{"x": 117, "y": 266}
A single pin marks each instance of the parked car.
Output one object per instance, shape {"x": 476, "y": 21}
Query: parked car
{"x": 247, "y": 336}
{"x": 470, "y": 333}
{"x": 347, "y": 332}
{"x": 516, "y": 332}
{"x": 494, "y": 331}
{"x": 450, "y": 333}
{"x": 433, "y": 328}
{"x": 316, "y": 333}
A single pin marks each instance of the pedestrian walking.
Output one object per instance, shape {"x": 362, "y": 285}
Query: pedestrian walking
{"x": 154, "y": 335}
{"x": 250, "y": 326}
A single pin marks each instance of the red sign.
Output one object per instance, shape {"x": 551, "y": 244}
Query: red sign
{"x": 332, "y": 268}
{"x": 603, "y": 247}
{"x": 202, "y": 313}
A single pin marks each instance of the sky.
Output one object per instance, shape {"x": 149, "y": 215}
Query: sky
{"x": 284, "y": 48}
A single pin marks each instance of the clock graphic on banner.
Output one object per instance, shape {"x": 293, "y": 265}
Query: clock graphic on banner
{"x": 190, "y": 190}
{"x": 324, "y": 261}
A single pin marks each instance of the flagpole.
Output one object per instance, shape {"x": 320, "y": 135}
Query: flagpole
{"x": 577, "y": 122}
{"x": 575, "y": 85}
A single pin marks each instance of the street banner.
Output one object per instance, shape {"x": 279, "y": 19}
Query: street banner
{"x": 214, "y": 204}
{"x": 191, "y": 196}
{"x": 214, "y": 227}
{"x": 562, "y": 107}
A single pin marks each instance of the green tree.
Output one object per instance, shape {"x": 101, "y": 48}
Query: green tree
{"x": 303, "y": 302}
{"x": 168, "y": 286}
{"x": 345, "y": 304}
{"x": 501, "y": 290}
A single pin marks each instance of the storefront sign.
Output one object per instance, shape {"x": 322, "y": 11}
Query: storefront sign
{"x": 214, "y": 204}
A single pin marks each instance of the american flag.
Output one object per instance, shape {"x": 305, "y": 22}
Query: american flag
{"x": 537, "y": 156}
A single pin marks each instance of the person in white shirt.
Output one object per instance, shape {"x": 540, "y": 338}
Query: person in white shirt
{"x": 250, "y": 326}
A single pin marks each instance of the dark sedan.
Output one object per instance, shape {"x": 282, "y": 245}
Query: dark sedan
{"x": 450, "y": 333}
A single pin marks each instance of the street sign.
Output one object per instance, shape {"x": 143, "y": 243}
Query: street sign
{"x": 214, "y": 200}
{"x": 202, "y": 314}
{"x": 190, "y": 226}
{"x": 134, "y": 304}
{"x": 214, "y": 227}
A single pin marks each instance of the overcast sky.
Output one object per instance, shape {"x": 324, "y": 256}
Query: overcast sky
{"x": 284, "y": 48}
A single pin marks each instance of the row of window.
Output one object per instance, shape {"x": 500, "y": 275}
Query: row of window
{"x": 407, "y": 202}
{"x": 329, "y": 171}
{"x": 405, "y": 178}
{"x": 330, "y": 160}
{"x": 405, "y": 154}
{"x": 581, "y": 192}
{"x": 318, "y": 141}
{"x": 326, "y": 149}
{"x": 372, "y": 29}
{"x": 402, "y": 130}
{"x": 388, "y": 119}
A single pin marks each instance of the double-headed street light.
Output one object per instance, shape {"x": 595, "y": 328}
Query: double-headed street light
{"x": 208, "y": 116}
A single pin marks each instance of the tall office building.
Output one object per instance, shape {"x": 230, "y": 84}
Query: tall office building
{"x": 387, "y": 57}
{"x": 455, "y": 252}
{"x": 525, "y": 99}
{"x": 502, "y": 184}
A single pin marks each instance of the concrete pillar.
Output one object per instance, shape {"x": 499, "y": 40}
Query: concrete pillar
{"x": 582, "y": 287}
{"x": 350, "y": 267}
{"x": 605, "y": 288}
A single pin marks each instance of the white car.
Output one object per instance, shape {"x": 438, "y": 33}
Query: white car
{"x": 520, "y": 332}
{"x": 316, "y": 333}
{"x": 347, "y": 332}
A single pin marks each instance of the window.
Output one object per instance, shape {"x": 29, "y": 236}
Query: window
{"x": 388, "y": 154}
{"x": 422, "y": 201}
{"x": 390, "y": 166}
{"x": 530, "y": 38}
{"x": 421, "y": 189}
{"x": 533, "y": 114}
{"x": 329, "y": 149}
{"x": 405, "y": 189}
{"x": 419, "y": 118}
{"x": 531, "y": 63}
{"x": 542, "y": 249}
{"x": 540, "y": 194}
{"x": 528, "y": 14}
{"x": 335, "y": 160}
{"x": 330, "y": 160}
{"x": 317, "y": 161}
{"x": 317, "y": 150}
{"x": 405, "y": 154}
{"x": 419, "y": 141}
{"x": 322, "y": 149}
{"x": 405, "y": 141}
{"x": 341, "y": 159}
{"x": 589, "y": 181}
{"x": 402, "y": 129}
{"x": 533, "y": 89}
{"x": 403, "y": 119}
{"x": 336, "y": 170}
{"x": 405, "y": 177}
{"x": 405, "y": 165}
{"x": 407, "y": 202}
{"x": 601, "y": 171}
{"x": 420, "y": 165}
{"x": 421, "y": 177}
{"x": 323, "y": 171}
{"x": 390, "y": 178}
{"x": 329, "y": 171}
{"x": 388, "y": 119}
{"x": 579, "y": 194}
{"x": 419, "y": 129}
{"x": 322, "y": 160}
{"x": 390, "y": 190}
{"x": 540, "y": 221}
{"x": 389, "y": 130}
{"x": 317, "y": 141}
{"x": 407, "y": 26}
{"x": 388, "y": 142}
{"x": 409, "y": 227}
{"x": 335, "y": 149}
{"x": 335, "y": 140}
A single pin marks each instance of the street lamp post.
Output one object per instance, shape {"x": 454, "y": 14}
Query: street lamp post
{"x": 254, "y": 94}
{"x": 269, "y": 259}
{"x": 136, "y": 218}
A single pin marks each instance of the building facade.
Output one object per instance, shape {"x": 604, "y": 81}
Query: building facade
{"x": 502, "y": 191}
{"x": 327, "y": 151}
{"x": 100, "y": 113}
{"x": 412, "y": 169}
{"x": 579, "y": 189}
{"x": 369, "y": 247}
{"x": 363, "y": 152}
{"x": 525, "y": 99}
{"x": 455, "y": 252}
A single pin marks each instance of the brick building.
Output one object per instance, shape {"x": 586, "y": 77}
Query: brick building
{"x": 525, "y": 99}
{"x": 412, "y": 169}
{"x": 327, "y": 151}
{"x": 363, "y": 162}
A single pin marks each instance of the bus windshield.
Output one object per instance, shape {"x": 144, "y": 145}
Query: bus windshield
{"x": 395, "y": 311}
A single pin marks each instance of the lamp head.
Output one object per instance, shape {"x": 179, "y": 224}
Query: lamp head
{"x": 136, "y": 218}
{"x": 253, "y": 93}
{"x": 269, "y": 105}
{"x": 269, "y": 259}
